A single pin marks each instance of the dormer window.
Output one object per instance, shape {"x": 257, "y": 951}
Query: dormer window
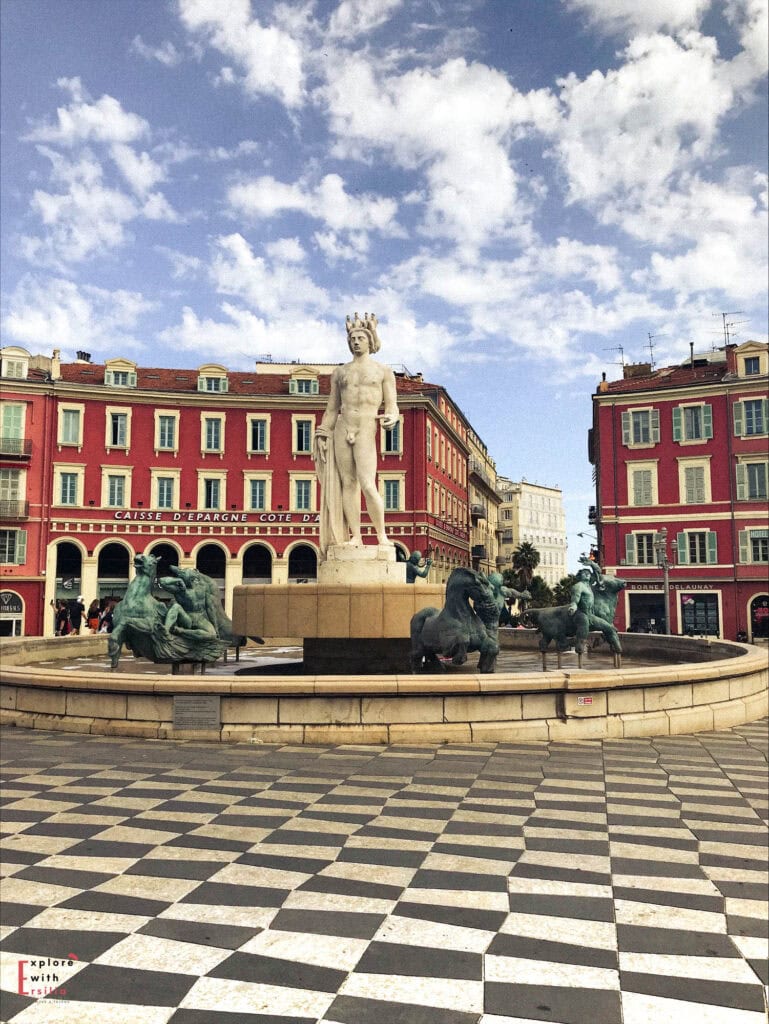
{"x": 120, "y": 373}
{"x": 752, "y": 359}
{"x": 14, "y": 363}
{"x": 303, "y": 382}
{"x": 212, "y": 379}
{"x": 752, "y": 366}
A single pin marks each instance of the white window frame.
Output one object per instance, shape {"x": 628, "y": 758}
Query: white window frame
{"x": 383, "y": 432}
{"x": 212, "y": 379}
{"x": 170, "y": 414}
{"x": 252, "y": 418}
{"x": 121, "y": 366}
{"x": 701, "y": 462}
{"x": 303, "y": 383}
{"x": 739, "y": 418}
{"x": 204, "y": 418}
{"x": 109, "y": 412}
{"x": 59, "y": 469}
{"x": 212, "y": 474}
{"x": 20, "y": 486}
{"x": 266, "y": 478}
{"x": 20, "y": 546}
{"x": 745, "y": 538}
{"x": 5, "y": 409}
{"x": 124, "y": 471}
{"x": 296, "y": 418}
{"x": 156, "y": 474}
{"x": 78, "y": 407}
{"x": 627, "y": 427}
{"x": 401, "y": 480}
{"x": 293, "y": 478}
{"x": 642, "y": 465}
{"x": 679, "y": 423}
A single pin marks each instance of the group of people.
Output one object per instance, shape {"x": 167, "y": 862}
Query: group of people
{"x": 71, "y": 618}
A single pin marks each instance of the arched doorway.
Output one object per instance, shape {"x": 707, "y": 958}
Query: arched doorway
{"x": 69, "y": 567}
{"x": 168, "y": 556}
{"x": 257, "y": 564}
{"x": 759, "y": 618}
{"x": 302, "y": 564}
{"x": 112, "y": 572}
{"x": 212, "y": 561}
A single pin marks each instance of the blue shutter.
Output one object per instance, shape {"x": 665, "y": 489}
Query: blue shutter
{"x": 626, "y": 435}
{"x": 707, "y": 421}
{"x": 677, "y": 426}
{"x": 739, "y": 419}
{"x": 741, "y": 471}
{"x": 655, "y": 426}
{"x": 712, "y": 547}
{"x": 630, "y": 549}
{"x": 744, "y": 546}
{"x": 683, "y": 548}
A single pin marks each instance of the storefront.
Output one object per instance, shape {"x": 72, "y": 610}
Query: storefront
{"x": 11, "y": 614}
{"x": 699, "y": 612}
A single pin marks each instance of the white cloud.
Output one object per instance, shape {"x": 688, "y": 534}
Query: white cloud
{"x": 631, "y": 16}
{"x": 166, "y": 53}
{"x": 286, "y": 250}
{"x": 270, "y": 58}
{"x": 752, "y": 20}
{"x": 104, "y": 120}
{"x": 270, "y": 286}
{"x": 327, "y": 201}
{"x": 354, "y": 18}
{"x": 139, "y": 169}
{"x": 53, "y": 312}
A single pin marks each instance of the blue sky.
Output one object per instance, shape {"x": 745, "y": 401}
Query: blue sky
{"x": 517, "y": 188}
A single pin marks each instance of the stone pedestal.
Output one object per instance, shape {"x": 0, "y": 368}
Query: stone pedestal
{"x": 372, "y": 563}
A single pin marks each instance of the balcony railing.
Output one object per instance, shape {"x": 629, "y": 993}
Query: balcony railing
{"x": 477, "y": 512}
{"x": 478, "y": 551}
{"x": 14, "y": 510}
{"x": 18, "y": 446}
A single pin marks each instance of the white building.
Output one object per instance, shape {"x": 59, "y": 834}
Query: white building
{"x": 533, "y": 513}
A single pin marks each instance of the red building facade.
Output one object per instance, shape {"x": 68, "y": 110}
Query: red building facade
{"x": 684, "y": 449}
{"x": 207, "y": 468}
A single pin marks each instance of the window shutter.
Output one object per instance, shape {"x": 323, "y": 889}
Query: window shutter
{"x": 739, "y": 419}
{"x": 683, "y": 548}
{"x": 626, "y": 436}
{"x": 314, "y": 387}
{"x": 108, "y": 378}
{"x": 742, "y": 481}
{"x": 224, "y": 384}
{"x": 630, "y": 549}
{"x": 132, "y": 380}
{"x": 744, "y": 546}
{"x": 677, "y": 429}
{"x": 201, "y": 384}
{"x": 21, "y": 547}
{"x": 707, "y": 421}
{"x": 655, "y": 426}
{"x": 292, "y": 387}
{"x": 712, "y": 547}
{"x": 764, "y": 414}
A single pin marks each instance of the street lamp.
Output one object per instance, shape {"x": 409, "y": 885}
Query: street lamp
{"x": 661, "y": 551}
{"x": 592, "y": 536}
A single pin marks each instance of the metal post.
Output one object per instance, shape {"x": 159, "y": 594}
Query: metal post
{"x": 661, "y": 549}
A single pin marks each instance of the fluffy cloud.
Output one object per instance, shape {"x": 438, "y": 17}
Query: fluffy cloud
{"x": 166, "y": 53}
{"x": 353, "y": 18}
{"x": 139, "y": 169}
{"x": 103, "y": 120}
{"x": 52, "y": 312}
{"x": 269, "y": 58}
{"x": 631, "y": 16}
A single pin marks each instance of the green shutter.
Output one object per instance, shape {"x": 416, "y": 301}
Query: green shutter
{"x": 314, "y": 388}
{"x": 132, "y": 380}
{"x": 626, "y": 436}
{"x": 744, "y": 546}
{"x": 108, "y": 378}
{"x": 655, "y": 426}
{"x": 201, "y": 383}
{"x": 741, "y": 471}
{"x": 225, "y": 384}
{"x": 739, "y": 419}
{"x": 683, "y": 549}
{"x": 765, "y": 415}
{"x": 292, "y": 387}
{"x": 630, "y": 549}
{"x": 677, "y": 426}
{"x": 21, "y": 547}
{"x": 712, "y": 547}
{"x": 707, "y": 421}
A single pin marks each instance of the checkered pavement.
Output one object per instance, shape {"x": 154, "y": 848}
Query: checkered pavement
{"x": 596, "y": 882}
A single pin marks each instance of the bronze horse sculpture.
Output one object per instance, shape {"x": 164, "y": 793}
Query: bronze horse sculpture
{"x": 459, "y": 627}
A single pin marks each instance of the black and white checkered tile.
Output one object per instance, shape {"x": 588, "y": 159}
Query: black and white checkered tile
{"x": 151, "y": 882}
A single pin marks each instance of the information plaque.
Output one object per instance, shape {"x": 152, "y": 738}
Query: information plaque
{"x": 197, "y": 711}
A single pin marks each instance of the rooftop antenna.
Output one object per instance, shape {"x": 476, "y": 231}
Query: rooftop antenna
{"x": 621, "y": 350}
{"x": 726, "y": 325}
{"x": 735, "y": 323}
{"x": 651, "y": 346}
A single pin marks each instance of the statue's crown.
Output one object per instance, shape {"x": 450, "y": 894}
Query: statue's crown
{"x": 368, "y": 323}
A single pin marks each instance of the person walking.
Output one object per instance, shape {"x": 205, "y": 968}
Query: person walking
{"x": 76, "y": 613}
{"x": 92, "y": 616}
{"x": 62, "y": 618}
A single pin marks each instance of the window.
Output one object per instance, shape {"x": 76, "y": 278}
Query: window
{"x": 694, "y": 486}
{"x": 752, "y": 481}
{"x": 258, "y": 435}
{"x": 302, "y": 495}
{"x": 750, "y": 417}
{"x": 13, "y": 547}
{"x": 165, "y": 492}
{"x": 212, "y": 384}
{"x": 211, "y": 493}
{"x": 392, "y": 493}
{"x": 692, "y": 423}
{"x": 118, "y": 430}
{"x": 639, "y": 549}
{"x": 15, "y": 368}
{"x": 120, "y": 373}
{"x": 12, "y": 426}
{"x": 116, "y": 491}
{"x": 697, "y": 547}
{"x": 641, "y": 427}
{"x": 257, "y": 495}
{"x": 302, "y": 436}
{"x": 429, "y": 440}
{"x": 754, "y": 545}
{"x": 167, "y": 432}
{"x": 68, "y": 489}
{"x": 212, "y": 426}
{"x": 303, "y": 385}
{"x": 642, "y": 487}
{"x": 752, "y": 366}
{"x": 392, "y": 440}
{"x": 70, "y": 427}
{"x": 10, "y": 484}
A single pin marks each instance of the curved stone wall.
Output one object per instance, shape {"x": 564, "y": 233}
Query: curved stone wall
{"x": 721, "y": 685}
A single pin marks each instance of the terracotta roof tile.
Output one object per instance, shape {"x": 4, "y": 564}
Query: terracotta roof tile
{"x": 669, "y": 377}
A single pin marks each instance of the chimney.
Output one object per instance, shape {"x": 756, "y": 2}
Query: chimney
{"x": 84, "y": 357}
{"x": 691, "y": 354}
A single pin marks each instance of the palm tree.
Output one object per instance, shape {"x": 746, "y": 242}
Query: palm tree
{"x": 525, "y": 561}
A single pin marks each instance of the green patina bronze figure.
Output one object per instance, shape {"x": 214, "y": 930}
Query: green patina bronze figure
{"x": 503, "y": 594}
{"x": 460, "y": 627}
{"x": 414, "y": 569}
{"x": 184, "y": 632}
{"x": 592, "y": 607}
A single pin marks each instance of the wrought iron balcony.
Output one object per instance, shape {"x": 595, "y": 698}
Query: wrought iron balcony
{"x": 14, "y": 510}
{"x": 20, "y": 447}
{"x": 478, "y": 551}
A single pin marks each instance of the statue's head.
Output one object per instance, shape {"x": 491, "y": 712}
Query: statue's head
{"x": 415, "y": 557}
{"x": 495, "y": 579}
{"x": 366, "y": 327}
{"x": 584, "y": 574}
